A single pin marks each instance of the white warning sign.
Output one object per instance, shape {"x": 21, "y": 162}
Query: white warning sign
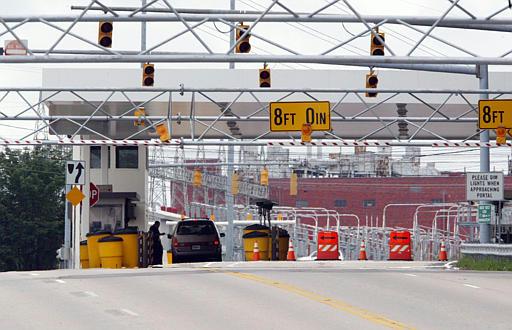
{"x": 484, "y": 186}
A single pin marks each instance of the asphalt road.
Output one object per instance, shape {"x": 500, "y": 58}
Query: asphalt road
{"x": 284, "y": 295}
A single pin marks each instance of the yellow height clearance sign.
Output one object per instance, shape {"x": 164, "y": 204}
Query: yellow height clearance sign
{"x": 495, "y": 114}
{"x": 290, "y": 116}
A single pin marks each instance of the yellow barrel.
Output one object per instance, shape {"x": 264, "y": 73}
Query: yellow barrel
{"x": 256, "y": 227}
{"x": 92, "y": 247}
{"x": 169, "y": 257}
{"x": 263, "y": 245}
{"x": 84, "y": 255}
{"x": 111, "y": 252}
{"x": 130, "y": 238}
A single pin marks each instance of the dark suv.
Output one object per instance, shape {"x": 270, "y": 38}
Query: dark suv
{"x": 196, "y": 240}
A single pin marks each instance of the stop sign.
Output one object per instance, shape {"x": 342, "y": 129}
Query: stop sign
{"x": 95, "y": 194}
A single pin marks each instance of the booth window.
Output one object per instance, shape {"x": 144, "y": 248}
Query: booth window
{"x": 127, "y": 157}
{"x": 95, "y": 157}
{"x": 369, "y": 203}
{"x": 340, "y": 203}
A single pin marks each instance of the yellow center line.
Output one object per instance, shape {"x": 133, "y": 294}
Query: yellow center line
{"x": 336, "y": 304}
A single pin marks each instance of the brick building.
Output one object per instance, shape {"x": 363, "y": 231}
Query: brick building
{"x": 367, "y": 197}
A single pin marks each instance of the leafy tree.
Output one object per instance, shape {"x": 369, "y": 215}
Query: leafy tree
{"x": 31, "y": 207}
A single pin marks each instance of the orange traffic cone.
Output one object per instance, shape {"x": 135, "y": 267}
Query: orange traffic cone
{"x": 256, "y": 252}
{"x": 291, "y": 252}
{"x": 443, "y": 256}
{"x": 362, "y": 252}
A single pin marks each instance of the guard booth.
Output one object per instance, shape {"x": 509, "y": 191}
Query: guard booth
{"x": 113, "y": 211}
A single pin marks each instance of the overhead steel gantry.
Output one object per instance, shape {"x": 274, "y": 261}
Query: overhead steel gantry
{"x": 189, "y": 21}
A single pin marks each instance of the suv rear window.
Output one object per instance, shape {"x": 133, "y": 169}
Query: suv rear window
{"x": 195, "y": 228}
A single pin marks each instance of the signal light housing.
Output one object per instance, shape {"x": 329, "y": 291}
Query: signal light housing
{"x": 140, "y": 113}
{"x": 377, "y": 47}
{"x": 371, "y": 82}
{"x": 105, "y": 34}
{"x": 265, "y": 77}
{"x": 243, "y": 45}
{"x": 264, "y": 177}
{"x": 163, "y": 132}
{"x": 148, "y": 75}
{"x": 197, "y": 179}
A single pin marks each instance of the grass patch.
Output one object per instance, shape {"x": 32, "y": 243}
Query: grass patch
{"x": 485, "y": 263}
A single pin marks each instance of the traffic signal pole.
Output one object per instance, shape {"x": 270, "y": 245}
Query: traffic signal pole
{"x": 231, "y": 159}
{"x": 483, "y": 76}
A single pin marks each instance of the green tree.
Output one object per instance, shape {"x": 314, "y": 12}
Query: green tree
{"x": 31, "y": 207}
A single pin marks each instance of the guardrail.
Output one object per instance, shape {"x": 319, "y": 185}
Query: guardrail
{"x": 500, "y": 250}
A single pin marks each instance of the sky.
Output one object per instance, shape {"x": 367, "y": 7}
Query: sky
{"x": 310, "y": 39}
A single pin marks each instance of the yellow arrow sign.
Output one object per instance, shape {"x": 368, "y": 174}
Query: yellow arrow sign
{"x": 75, "y": 196}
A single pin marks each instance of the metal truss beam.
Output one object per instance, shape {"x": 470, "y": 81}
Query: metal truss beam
{"x": 223, "y": 58}
{"x": 373, "y": 118}
{"x": 458, "y": 23}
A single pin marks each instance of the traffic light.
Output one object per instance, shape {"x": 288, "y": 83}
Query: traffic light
{"x": 163, "y": 132}
{"x": 234, "y": 184}
{"x": 293, "y": 184}
{"x": 244, "y": 46}
{"x": 306, "y": 133}
{"x": 198, "y": 178}
{"x": 371, "y": 82}
{"x": 265, "y": 77}
{"x": 140, "y": 113}
{"x": 105, "y": 34}
{"x": 377, "y": 47}
{"x": 148, "y": 75}
{"x": 501, "y": 135}
{"x": 264, "y": 177}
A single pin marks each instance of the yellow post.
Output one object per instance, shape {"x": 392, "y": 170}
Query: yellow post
{"x": 293, "y": 184}
{"x": 234, "y": 184}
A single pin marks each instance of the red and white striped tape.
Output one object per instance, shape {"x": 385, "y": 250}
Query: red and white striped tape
{"x": 331, "y": 144}
{"x": 91, "y": 142}
{"x": 7, "y": 142}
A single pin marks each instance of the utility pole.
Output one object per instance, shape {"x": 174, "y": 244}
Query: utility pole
{"x": 483, "y": 76}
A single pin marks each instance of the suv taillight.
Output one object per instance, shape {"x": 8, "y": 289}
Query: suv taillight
{"x": 175, "y": 242}
{"x": 216, "y": 242}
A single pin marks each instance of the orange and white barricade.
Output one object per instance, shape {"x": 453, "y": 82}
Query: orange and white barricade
{"x": 328, "y": 246}
{"x": 400, "y": 245}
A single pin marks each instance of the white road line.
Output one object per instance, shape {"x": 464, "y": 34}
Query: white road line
{"x": 233, "y": 264}
{"x": 412, "y": 275}
{"x": 34, "y": 274}
{"x": 129, "y": 312}
{"x": 472, "y": 286}
{"x": 60, "y": 281}
{"x": 207, "y": 265}
{"x": 90, "y": 293}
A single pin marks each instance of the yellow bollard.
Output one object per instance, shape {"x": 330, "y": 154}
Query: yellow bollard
{"x": 169, "y": 257}
{"x": 84, "y": 255}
